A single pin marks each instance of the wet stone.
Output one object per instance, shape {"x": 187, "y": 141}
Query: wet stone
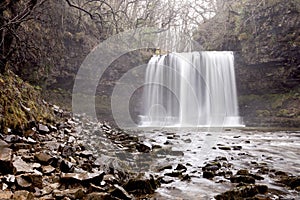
{"x": 141, "y": 186}
{"x": 174, "y": 174}
{"x": 143, "y": 148}
{"x": 242, "y": 179}
{"x": 5, "y": 160}
{"x": 243, "y": 172}
{"x": 165, "y": 167}
{"x": 236, "y": 148}
{"x": 224, "y": 148}
{"x": 208, "y": 174}
{"x": 181, "y": 167}
{"x": 243, "y": 192}
{"x": 166, "y": 180}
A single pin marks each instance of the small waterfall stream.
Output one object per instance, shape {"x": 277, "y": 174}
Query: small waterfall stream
{"x": 191, "y": 89}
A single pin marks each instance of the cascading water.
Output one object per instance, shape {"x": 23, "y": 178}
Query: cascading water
{"x": 191, "y": 89}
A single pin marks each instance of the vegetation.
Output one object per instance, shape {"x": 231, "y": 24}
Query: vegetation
{"x": 20, "y": 104}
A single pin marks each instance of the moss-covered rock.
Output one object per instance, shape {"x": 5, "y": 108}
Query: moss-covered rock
{"x": 20, "y": 104}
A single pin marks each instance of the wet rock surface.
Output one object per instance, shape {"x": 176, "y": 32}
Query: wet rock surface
{"x": 77, "y": 158}
{"x": 54, "y": 161}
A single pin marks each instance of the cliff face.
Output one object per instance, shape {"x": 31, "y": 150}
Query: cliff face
{"x": 265, "y": 37}
{"x": 52, "y": 47}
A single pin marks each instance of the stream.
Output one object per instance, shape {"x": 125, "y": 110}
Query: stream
{"x": 249, "y": 149}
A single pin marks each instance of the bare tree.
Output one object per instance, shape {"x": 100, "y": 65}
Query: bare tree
{"x": 12, "y": 14}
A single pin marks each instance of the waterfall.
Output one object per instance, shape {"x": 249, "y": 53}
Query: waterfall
{"x": 191, "y": 89}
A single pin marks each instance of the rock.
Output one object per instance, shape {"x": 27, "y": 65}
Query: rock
{"x": 43, "y": 158}
{"x": 10, "y": 178}
{"x": 48, "y": 169}
{"x": 36, "y": 179}
{"x": 236, "y": 148}
{"x": 208, "y": 174}
{"x": 213, "y": 166}
{"x": 85, "y": 154}
{"x": 6, "y": 194}
{"x": 12, "y": 138}
{"x": 174, "y": 174}
{"x": 256, "y": 177}
{"x": 51, "y": 145}
{"x": 76, "y": 193}
{"x": 181, "y": 167}
{"x": 281, "y": 173}
{"x": 291, "y": 181}
{"x": 186, "y": 177}
{"x": 224, "y": 148}
{"x": 66, "y": 166}
{"x": 6, "y": 160}
{"x": 243, "y": 172}
{"x": 243, "y": 192}
{"x": 23, "y": 195}
{"x": 166, "y": 180}
{"x": 19, "y": 166}
{"x": 95, "y": 178}
{"x": 99, "y": 195}
{"x": 43, "y": 128}
{"x": 141, "y": 186}
{"x": 23, "y": 183}
{"x": 165, "y": 167}
{"x": 67, "y": 151}
{"x": 187, "y": 140}
{"x": 120, "y": 193}
{"x": 143, "y": 148}
{"x": 242, "y": 179}
{"x": 3, "y": 144}
{"x": 109, "y": 178}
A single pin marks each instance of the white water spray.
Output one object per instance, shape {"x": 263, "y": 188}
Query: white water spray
{"x": 191, "y": 89}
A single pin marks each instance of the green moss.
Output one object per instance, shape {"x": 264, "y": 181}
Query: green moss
{"x": 20, "y": 104}
{"x": 263, "y": 113}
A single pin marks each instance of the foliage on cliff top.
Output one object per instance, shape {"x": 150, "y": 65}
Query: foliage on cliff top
{"x": 20, "y": 104}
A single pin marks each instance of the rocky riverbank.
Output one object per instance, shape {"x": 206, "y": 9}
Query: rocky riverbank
{"x": 52, "y": 162}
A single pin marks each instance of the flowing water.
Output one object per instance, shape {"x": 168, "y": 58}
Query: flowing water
{"x": 191, "y": 89}
{"x": 279, "y": 150}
